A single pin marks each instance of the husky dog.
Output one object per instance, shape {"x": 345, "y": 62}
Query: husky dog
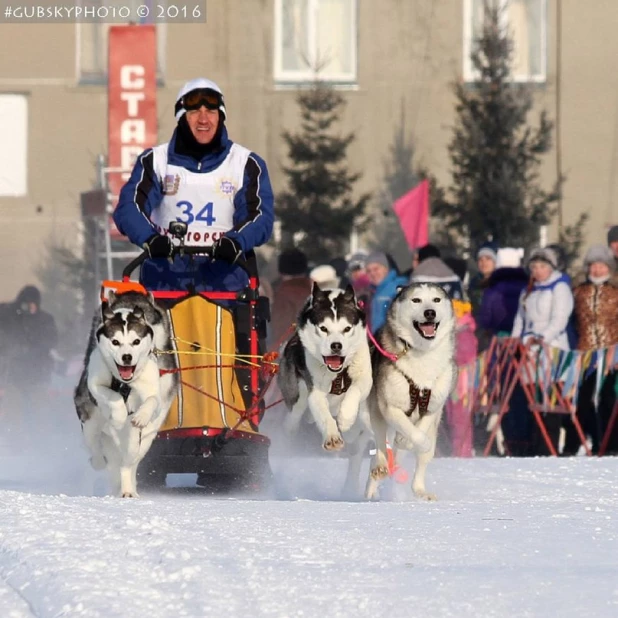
{"x": 121, "y": 400}
{"x": 414, "y": 374}
{"x": 326, "y": 366}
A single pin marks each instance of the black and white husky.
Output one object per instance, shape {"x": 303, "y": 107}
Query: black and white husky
{"x": 326, "y": 368}
{"x": 121, "y": 399}
{"x": 414, "y": 373}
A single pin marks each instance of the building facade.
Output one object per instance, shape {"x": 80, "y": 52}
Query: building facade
{"x": 395, "y": 61}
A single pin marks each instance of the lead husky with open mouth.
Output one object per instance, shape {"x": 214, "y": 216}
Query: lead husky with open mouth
{"x": 414, "y": 374}
{"x": 121, "y": 399}
{"x": 326, "y": 367}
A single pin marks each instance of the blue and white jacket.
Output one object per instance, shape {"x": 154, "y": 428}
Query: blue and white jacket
{"x": 545, "y": 312}
{"x": 226, "y": 193}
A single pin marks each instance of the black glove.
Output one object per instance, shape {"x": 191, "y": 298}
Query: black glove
{"x": 159, "y": 246}
{"x": 226, "y": 249}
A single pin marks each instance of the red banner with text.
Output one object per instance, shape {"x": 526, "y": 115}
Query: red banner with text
{"x": 132, "y": 102}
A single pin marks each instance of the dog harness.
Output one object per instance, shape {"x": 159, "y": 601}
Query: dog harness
{"x": 418, "y": 397}
{"x": 341, "y": 383}
{"x": 121, "y": 387}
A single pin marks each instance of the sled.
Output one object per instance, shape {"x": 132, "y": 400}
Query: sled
{"x": 212, "y": 428}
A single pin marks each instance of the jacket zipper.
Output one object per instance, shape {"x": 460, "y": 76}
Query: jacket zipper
{"x": 595, "y": 302}
{"x": 199, "y": 166}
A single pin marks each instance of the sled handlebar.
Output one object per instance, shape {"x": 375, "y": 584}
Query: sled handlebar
{"x": 206, "y": 251}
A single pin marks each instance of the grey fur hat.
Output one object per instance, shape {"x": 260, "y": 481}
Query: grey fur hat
{"x": 544, "y": 254}
{"x": 600, "y": 253}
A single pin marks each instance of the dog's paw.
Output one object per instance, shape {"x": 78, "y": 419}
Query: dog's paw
{"x": 130, "y": 494}
{"x": 141, "y": 418}
{"x": 425, "y": 495}
{"x": 98, "y": 462}
{"x": 379, "y": 472}
{"x": 333, "y": 442}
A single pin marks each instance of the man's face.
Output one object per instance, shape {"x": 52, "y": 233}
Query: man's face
{"x": 376, "y": 273}
{"x": 203, "y": 123}
{"x": 614, "y": 247}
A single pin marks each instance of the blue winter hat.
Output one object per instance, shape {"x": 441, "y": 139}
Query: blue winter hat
{"x": 489, "y": 249}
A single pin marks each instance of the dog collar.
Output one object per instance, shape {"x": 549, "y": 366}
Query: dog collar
{"x": 405, "y": 349}
{"x": 341, "y": 383}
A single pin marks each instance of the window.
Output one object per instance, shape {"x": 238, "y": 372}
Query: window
{"x": 315, "y": 38}
{"x": 526, "y": 21}
{"x": 13, "y": 145}
{"x": 92, "y": 42}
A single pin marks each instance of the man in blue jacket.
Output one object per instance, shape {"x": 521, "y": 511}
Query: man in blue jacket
{"x": 200, "y": 177}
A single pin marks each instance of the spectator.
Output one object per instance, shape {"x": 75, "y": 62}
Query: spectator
{"x": 543, "y": 316}
{"x": 457, "y": 408}
{"x": 385, "y": 282}
{"x": 341, "y": 267}
{"x": 360, "y": 281}
{"x": 29, "y": 338}
{"x": 546, "y": 305}
{"x": 501, "y": 297}
{"x": 325, "y": 276}
{"x": 486, "y": 258}
{"x": 432, "y": 269}
{"x": 596, "y": 312}
{"x": 290, "y": 294}
{"x": 612, "y": 243}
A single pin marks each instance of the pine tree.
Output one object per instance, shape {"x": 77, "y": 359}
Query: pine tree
{"x": 399, "y": 178}
{"x": 318, "y": 211}
{"x": 495, "y": 154}
{"x": 69, "y": 293}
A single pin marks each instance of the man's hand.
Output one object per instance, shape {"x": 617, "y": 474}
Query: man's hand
{"x": 226, "y": 249}
{"x": 159, "y": 246}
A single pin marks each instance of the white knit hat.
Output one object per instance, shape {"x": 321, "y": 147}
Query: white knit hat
{"x": 325, "y": 276}
{"x": 198, "y": 84}
{"x": 509, "y": 257}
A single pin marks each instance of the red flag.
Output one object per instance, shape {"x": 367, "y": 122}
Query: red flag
{"x": 413, "y": 212}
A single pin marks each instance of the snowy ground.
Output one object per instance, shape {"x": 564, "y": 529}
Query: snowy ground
{"x": 507, "y": 538}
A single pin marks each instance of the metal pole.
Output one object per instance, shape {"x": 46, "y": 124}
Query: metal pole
{"x": 108, "y": 212}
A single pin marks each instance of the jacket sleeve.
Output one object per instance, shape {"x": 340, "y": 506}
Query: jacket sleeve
{"x": 253, "y": 206}
{"x": 138, "y": 197}
{"x": 561, "y": 309}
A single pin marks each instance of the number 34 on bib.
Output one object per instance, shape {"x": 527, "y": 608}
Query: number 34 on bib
{"x": 189, "y": 213}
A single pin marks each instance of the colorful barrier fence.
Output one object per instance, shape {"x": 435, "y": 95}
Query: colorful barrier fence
{"x": 550, "y": 378}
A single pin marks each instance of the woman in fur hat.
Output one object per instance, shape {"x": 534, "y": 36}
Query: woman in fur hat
{"x": 596, "y": 311}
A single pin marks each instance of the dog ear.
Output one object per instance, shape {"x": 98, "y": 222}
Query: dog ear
{"x": 151, "y": 298}
{"x": 106, "y": 312}
{"x": 316, "y": 292}
{"x": 349, "y": 293}
{"x": 138, "y": 313}
{"x": 111, "y": 296}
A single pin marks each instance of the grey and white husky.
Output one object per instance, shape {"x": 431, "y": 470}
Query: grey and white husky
{"x": 121, "y": 399}
{"x": 414, "y": 374}
{"x": 326, "y": 368}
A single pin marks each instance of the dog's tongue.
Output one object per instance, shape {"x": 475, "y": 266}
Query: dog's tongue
{"x": 334, "y": 362}
{"x": 429, "y": 329}
{"x": 126, "y": 373}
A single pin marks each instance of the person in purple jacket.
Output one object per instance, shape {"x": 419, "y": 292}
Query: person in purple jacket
{"x": 501, "y": 298}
